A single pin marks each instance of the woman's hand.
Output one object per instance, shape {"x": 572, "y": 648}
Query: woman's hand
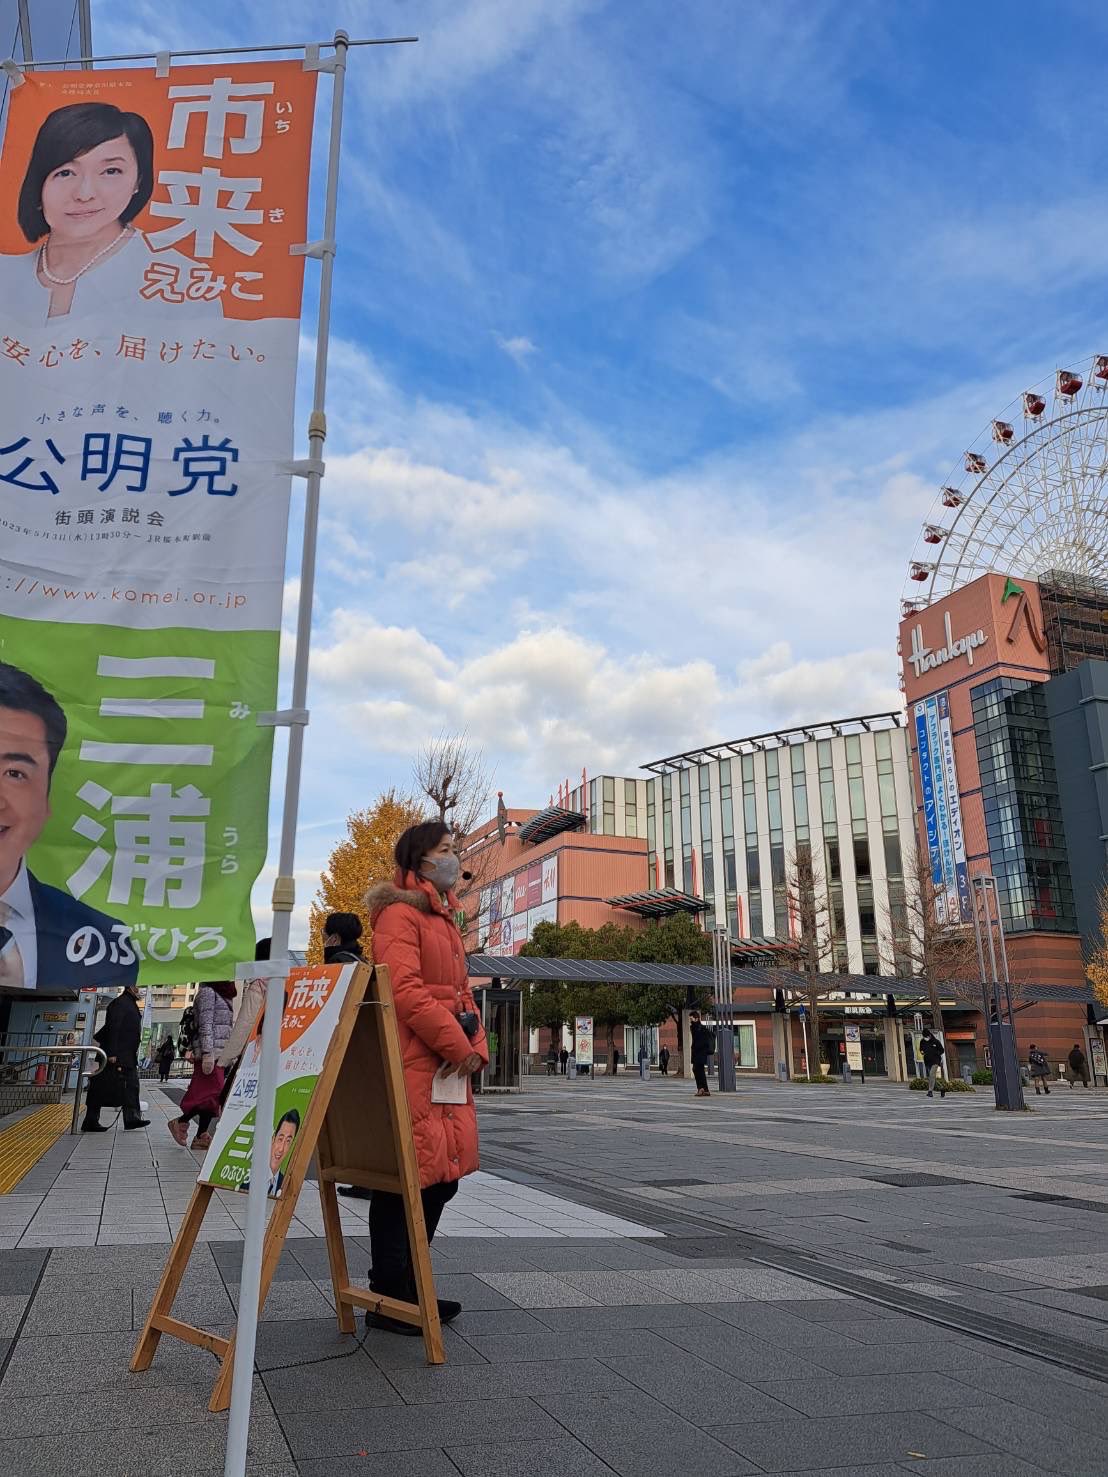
{"x": 468, "y": 1065}
{"x": 207, "y": 1063}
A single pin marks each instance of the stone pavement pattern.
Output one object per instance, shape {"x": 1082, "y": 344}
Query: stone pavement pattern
{"x": 665, "y": 1343}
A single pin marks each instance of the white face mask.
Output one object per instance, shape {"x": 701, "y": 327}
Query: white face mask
{"x": 443, "y": 871}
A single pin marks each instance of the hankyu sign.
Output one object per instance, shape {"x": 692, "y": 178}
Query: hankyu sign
{"x": 925, "y": 659}
{"x": 150, "y": 301}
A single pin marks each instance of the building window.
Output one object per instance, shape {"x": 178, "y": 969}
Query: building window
{"x": 727, "y": 816}
{"x": 651, "y": 834}
{"x": 667, "y": 829}
{"x": 707, "y": 849}
{"x": 687, "y": 879}
{"x": 630, "y": 808}
{"x": 1023, "y": 819}
{"x": 776, "y": 845}
{"x": 800, "y": 794}
{"x": 609, "y": 805}
{"x": 753, "y": 860}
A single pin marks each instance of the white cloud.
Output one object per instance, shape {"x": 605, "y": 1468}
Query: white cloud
{"x": 518, "y": 348}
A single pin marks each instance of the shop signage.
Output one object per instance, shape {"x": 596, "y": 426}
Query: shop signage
{"x": 925, "y": 659}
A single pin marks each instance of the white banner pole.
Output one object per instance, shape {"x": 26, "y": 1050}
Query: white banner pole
{"x": 284, "y": 888}
{"x": 250, "y": 1277}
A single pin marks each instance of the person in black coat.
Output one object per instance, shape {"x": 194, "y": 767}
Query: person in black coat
{"x": 119, "y": 1036}
{"x": 167, "y": 1051}
{"x": 931, "y": 1049}
{"x": 663, "y": 1061}
{"x": 702, "y": 1046}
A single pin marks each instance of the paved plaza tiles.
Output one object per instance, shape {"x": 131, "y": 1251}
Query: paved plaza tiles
{"x": 794, "y": 1280}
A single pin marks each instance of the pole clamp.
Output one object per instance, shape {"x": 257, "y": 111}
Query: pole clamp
{"x": 306, "y": 467}
{"x": 13, "y": 71}
{"x": 317, "y": 249}
{"x": 284, "y": 718}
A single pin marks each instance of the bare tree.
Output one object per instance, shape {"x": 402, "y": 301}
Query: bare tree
{"x": 813, "y": 934}
{"x": 940, "y": 954}
{"x": 451, "y": 773}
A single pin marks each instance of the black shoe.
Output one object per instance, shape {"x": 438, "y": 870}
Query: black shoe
{"x": 354, "y": 1192}
{"x": 448, "y": 1310}
{"x": 142, "y": 1123}
{"x": 87, "y": 1127}
{"x": 392, "y": 1325}
{"x": 930, "y": 1094}
{"x": 942, "y": 1094}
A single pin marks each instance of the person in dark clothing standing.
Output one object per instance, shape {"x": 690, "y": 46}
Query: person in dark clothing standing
{"x": 342, "y": 933}
{"x": 563, "y": 1058}
{"x": 931, "y": 1049}
{"x": 615, "y": 1061}
{"x": 701, "y": 1050}
{"x": 119, "y": 1036}
{"x": 1077, "y": 1066}
{"x": 166, "y": 1053}
{"x": 663, "y": 1061}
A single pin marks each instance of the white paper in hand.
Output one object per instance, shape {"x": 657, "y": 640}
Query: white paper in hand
{"x": 448, "y": 1089}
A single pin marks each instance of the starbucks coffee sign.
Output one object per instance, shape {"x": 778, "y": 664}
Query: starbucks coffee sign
{"x": 923, "y": 658}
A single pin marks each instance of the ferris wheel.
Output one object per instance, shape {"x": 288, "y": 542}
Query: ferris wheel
{"x": 1031, "y": 494}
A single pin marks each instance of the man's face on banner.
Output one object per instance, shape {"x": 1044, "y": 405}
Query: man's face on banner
{"x": 24, "y": 787}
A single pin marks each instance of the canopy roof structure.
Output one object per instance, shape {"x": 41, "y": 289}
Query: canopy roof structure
{"x": 848, "y": 990}
{"x": 550, "y": 822}
{"x": 658, "y": 902}
{"x": 779, "y": 739}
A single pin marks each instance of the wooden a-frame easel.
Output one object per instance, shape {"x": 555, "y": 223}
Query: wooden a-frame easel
{"x": 359, "y": 1127}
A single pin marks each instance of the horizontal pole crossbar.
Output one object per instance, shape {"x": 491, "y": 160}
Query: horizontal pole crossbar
{"x": 156, "y": 56}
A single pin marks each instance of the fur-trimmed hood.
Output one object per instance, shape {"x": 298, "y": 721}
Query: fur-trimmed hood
{"x": 416, "y": 892}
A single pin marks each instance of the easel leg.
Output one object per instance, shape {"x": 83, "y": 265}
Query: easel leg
{"x": 172, "y": 1276}
{"x": 336, "y": 1252}
{"x": 424, "y": 1280}
{"x": 275, "y": 1233}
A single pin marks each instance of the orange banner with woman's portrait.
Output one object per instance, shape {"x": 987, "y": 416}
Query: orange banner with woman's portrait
{"x": 150, "y": 298}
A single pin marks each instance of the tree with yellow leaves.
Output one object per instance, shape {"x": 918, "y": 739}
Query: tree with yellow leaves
{"x": 1096, "y": 967}
{"x": 364, "y": 857}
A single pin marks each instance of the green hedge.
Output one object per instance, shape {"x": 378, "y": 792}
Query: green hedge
{"x": 820, "y": 1078}
{"x": 919, "y": 1084}
{"x": 983, "y": 1077}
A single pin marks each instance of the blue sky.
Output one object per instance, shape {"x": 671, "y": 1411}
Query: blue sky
{"x": 656, "y": 330}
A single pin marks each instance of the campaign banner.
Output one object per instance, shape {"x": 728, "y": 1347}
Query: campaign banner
{"x": 954, "y": 810}
{"x": 150, "y": 302}
{"x": 314, "y": 999}
{"x": 583, "y": 1040}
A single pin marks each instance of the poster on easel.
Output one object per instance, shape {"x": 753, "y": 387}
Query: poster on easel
{"x": 313, "y": 1004}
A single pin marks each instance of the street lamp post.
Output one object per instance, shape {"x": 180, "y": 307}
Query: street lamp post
{"x": 996, "y": 994}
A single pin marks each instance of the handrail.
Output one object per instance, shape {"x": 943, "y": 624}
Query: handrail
{"x": 82, "y": 1051}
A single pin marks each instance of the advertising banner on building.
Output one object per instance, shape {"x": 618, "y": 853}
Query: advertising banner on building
{"x": 150, "y": 298}
{"x": 314, "y": 1002}
{"x": 550, "y": 879}
{"x": 954, "y": 809}
{"x": 583, "y": 1039}
{"x": 942, "y": 810}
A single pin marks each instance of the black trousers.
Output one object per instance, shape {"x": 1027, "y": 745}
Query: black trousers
{"x": 391, "y": 1272}
{"x": 203, "y": 1118}
{"x": 700, "y": 1073}
{"x": 132, "y": 1113}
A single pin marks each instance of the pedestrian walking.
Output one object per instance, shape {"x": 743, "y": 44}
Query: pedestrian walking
{"x": 415, "y": 934}
{"x": 931, "y": 1049}
{"x": 119, "y": 1037}
{"x": 563, "y": 1058}
{"x": 551, "y": 1062}
{"x": 615, "y": 1061}
{"x": 167, "y": 1051}
{"x": 1077, "y": 1067}
{"x": 702, "y": 1047}
{"x": 663, "y": 1061}
{"x": 1039, "y": 1068}
{"x": 214, "y": 1019}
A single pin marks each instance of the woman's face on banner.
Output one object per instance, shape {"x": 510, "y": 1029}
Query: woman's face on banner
{"x": 81, "y": 198}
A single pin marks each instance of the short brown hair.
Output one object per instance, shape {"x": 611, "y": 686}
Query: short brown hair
{"x": 417, "y": 841}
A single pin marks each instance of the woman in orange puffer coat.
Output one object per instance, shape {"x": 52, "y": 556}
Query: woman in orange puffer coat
{"x": 415, "y": 935}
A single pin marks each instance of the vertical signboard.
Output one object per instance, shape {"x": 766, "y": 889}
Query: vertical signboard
{"x": 954, "y": 809}
{"x": 550, "y": 879}
{"x": 930, "y": 816}
{"x": 582, "y": 1037}
{"x": 149, "y": 335}
{"x": 853, "y": 1038}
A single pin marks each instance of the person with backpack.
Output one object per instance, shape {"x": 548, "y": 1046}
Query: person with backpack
{"x": 214, "y": 1017}
{"x": 931, "y": 1049}
{"x": 1077, "y": 1066}
{"x": 1039, "y": 1067}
